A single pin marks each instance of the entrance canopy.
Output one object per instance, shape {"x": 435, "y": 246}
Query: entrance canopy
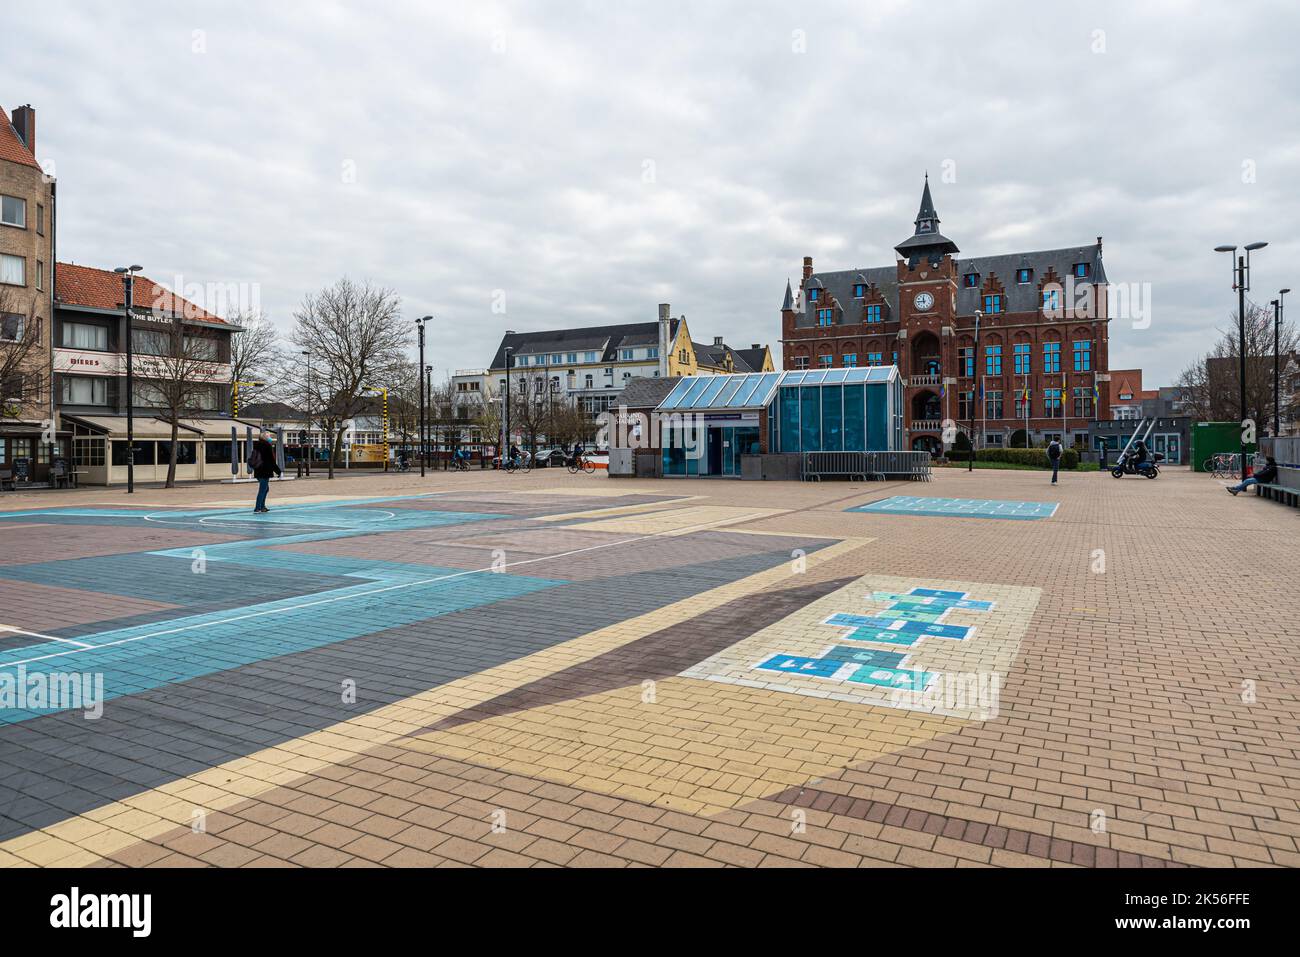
{"x": 151, "y": 427}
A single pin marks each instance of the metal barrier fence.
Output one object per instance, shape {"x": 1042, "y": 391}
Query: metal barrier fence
{"x": 865, "y": 465}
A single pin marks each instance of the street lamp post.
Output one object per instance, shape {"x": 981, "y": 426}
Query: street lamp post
{"x": 428, "y": 390}
{"x": 974, "y": 368}
{"x": 505, "y": 431}
{"x": 1241, "y": 283}
{"x": 128, "y": 294}
{"x": 419, "y": 324}
{"x": 306, "y": 448}
{"x": 1279, "y": 305}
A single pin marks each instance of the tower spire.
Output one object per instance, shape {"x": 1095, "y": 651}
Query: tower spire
{"x": 926, "y": 241}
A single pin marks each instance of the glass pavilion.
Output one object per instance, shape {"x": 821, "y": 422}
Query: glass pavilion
{"x": 707, "y": 422}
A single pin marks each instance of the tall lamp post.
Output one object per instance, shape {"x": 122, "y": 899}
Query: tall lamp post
{"x": 306, "y": 448}
{"x": 1279, "y": 305}
{"x": 419, "y": 324}
{"x": 128, "y": 294}
{"x": 428, "y": 390}
{"x": 505, "y": 429}
{"x": 974, "y": 396}
{"x": 1241, "y": 283}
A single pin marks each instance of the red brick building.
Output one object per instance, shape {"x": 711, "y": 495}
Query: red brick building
{"x": 1041, "y": 360}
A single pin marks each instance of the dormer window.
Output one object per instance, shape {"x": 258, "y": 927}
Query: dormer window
{"x": 814, "y": 295}
{"x": 825, "y": 317}
{"x": 971, "y": 280}
{"x": 1052, "y": 301}
{"x": 874, "y": 313}
{"x": 1024, "y": 275}
{"x": 1082, "y": 270}
{"x": 859, "y": 290}
{"x": 992, "y": 304}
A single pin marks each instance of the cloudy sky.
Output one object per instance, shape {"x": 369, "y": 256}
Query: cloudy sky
{"x": 580, "y": 162}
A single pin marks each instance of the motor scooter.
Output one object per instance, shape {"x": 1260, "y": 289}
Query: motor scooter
{"x": 1126, "y": 465}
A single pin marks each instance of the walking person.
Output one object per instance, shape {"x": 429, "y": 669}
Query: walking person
{"x": 263, "y": 464}
{"x": 1054, "y": 456}
{"x": 1265, "y": 476}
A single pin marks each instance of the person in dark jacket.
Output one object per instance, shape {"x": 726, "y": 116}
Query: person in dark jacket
{"x": 1265, "y": 476}
{"x": 1054, "y": 455}
{"x": 266, "y": 467}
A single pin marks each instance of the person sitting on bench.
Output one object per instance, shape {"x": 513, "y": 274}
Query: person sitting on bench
{"x": 1265, "y": 476}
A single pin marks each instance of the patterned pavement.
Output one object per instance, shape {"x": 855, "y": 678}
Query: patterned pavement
{"x": 474, "y": 669}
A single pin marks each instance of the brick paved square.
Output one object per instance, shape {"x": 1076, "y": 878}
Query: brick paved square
{"x": 584, "y": 671}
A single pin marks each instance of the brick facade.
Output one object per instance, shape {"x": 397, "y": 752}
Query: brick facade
{"x": 1041, "y": 311}
{"x": 25, "y": 406}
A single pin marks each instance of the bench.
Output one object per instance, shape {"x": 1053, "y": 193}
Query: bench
{"x": 1279, "y": 493}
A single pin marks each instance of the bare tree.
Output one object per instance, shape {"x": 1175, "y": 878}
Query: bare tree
{"x": 178, "y": 373}
{"x": 404, "y": 402}
{"x": 21, "y": 351}
{"x": 357, "y": 340}
{"x": 255, "y": 355}
{"x": 1210, "y": 387}
{"x": 530, "y": 410}
{"x": 487, "y": 418}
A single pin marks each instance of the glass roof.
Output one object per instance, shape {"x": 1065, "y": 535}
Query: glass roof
{"x": 755, "y": 390}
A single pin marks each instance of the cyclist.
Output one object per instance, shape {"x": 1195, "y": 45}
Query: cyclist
{"x": 515, "y": 455}
{"x": 576, "y": 458}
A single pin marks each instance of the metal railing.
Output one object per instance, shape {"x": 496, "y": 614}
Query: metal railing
{"x": 866, "y": 465}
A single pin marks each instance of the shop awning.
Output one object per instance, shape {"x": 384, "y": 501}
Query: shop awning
{"x": 151, "y": 427}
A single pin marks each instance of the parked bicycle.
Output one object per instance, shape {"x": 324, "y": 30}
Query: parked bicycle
{"x": 1224, "y": 465}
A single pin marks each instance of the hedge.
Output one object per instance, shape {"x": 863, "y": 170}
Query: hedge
{"x": 1035, "y": 457}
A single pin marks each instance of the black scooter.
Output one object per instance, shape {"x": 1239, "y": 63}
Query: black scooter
{"x": 1148, "y": 469}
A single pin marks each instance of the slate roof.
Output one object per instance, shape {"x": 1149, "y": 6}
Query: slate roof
{"x": 646, "y": 392}
{"x": 715, "y": 355}
{"x": 607, "y": 339}
{"x": 929, "y": 242}
{"x": 1018, "y": 297}
{"x": 754, "y": 358}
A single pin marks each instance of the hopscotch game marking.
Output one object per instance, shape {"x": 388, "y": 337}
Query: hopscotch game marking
{"x": 905, "y": 652}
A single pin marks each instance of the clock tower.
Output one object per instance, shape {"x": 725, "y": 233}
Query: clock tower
{"x": 927, "y": 303}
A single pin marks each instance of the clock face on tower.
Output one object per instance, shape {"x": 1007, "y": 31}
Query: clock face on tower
{"x": 923, "y": 301}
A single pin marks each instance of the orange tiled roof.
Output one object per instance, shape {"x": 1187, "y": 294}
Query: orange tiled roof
{"x": 11, "y": 147}
{"x": 102, "y": 289}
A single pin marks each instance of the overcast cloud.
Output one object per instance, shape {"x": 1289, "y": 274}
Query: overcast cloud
{"x": 505, "y": 147}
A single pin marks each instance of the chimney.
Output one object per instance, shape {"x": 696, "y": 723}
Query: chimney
{"x": 807, "y": 268}
{"x": 717, "y": 341}
{"x": 1098, "y": 244}
{"x": 24, "y": 121}
{"x": 665, "y": 341}
{"x": 755, "y": 345}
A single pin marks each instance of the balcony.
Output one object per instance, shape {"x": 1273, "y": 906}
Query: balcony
{"x": 926, "y": 425}
{"x": 919, "y": 380}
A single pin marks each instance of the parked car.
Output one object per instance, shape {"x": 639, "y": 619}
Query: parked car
{"x": 553, "y": 457}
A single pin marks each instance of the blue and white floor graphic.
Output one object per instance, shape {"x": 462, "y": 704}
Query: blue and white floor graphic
{"x": 959, "y": 507}
{"x": 939, "y": 647}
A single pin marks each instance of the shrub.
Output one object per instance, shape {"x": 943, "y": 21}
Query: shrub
{"x": 1033, "y": 457}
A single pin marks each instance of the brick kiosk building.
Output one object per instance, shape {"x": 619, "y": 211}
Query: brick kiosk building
{"x": 1043, "y": 329}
